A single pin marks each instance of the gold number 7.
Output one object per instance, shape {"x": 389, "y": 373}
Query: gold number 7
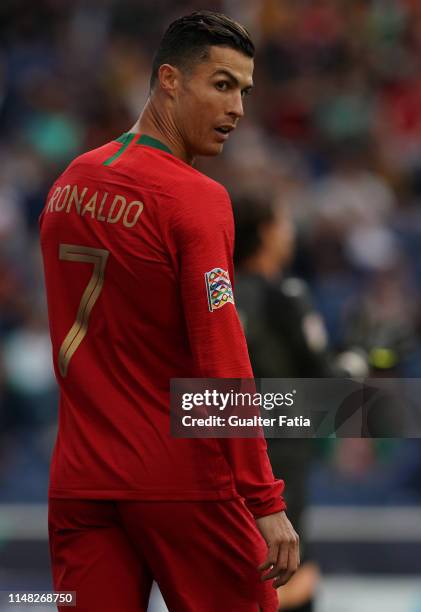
{"x": 98, "y": 258}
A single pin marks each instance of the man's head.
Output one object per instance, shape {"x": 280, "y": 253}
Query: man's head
{"x": 264, "y": 233}
{"x": 204, "y": 68}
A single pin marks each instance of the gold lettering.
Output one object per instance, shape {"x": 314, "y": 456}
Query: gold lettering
{"x": 53, "y": 199}
{"x": 101, "y": 208}
{"x": 137, "y": 214}
{"x": 74, "y": 197}
{"x": 63, "y": 203}
{"x": 116, "y": 200}
{"x": 91, "y": 206}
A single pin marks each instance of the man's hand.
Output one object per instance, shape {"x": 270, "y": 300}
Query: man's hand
{"x": 283, "y": 543}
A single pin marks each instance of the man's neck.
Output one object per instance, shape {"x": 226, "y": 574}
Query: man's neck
{"x": 262, "y": 265}
{"x": 156, "y": 121}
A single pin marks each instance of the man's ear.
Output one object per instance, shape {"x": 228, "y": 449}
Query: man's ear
{"x": 169, "y": 79}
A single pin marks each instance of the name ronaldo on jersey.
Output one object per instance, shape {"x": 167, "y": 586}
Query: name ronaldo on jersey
{"x": 102, "y": 206}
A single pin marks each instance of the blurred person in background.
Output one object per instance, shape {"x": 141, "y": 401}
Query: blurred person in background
{"x": 286, "y": 338}
{"x": 285, "y": 333}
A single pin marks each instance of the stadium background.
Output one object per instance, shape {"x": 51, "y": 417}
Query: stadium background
{"x": 334, "y": 128}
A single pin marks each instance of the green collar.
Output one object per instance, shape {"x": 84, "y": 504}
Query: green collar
{"x": 127, "y": 138}
{"x": 154, "y": 143}
{"x": 144, "y": 139}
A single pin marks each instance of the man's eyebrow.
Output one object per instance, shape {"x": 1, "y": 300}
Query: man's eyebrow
{"x": 232, "y": 78}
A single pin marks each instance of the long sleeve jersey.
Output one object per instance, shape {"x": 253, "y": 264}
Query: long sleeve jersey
{"x": 132, "y": 240}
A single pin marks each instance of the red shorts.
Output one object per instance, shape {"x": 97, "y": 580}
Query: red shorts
{"x": 203, "y": 555}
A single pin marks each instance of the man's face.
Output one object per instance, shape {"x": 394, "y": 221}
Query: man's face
{"x": 278, "y": 237}
{"x": 209, "y": 100}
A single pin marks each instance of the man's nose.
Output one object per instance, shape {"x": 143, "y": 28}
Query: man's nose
{"x": 237, "y": 108}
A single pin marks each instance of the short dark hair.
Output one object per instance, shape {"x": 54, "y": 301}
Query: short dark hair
{"x": 188, "y": 38}
{"x": 250, "y": 215}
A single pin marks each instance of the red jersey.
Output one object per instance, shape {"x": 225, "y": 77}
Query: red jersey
{"x": 129, "y": 235}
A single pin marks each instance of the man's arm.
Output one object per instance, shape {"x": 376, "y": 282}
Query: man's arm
{"x": 203, "y": 236}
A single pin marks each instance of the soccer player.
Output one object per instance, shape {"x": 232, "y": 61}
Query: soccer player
{"x": 132, "y": 239}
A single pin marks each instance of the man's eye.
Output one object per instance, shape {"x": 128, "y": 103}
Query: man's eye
{"x": 222, "y": 85}
{"x": 245, "y": 92}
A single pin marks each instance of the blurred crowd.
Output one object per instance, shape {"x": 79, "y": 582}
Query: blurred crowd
{"x": 332, "y": 130}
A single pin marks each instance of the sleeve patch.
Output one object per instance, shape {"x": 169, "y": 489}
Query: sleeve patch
{"x": 218, "y": 288}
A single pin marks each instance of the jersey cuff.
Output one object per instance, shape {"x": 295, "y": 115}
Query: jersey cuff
{"x": 269, "y": 507}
